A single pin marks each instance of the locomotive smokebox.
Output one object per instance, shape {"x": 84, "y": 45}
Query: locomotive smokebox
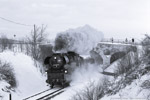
{"x": 56, "y": 66}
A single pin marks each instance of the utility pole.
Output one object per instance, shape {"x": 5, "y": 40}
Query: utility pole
{"x": 34, "y": 34}
{"x": 34, "y": 41}
{"x": 15, "y": 44}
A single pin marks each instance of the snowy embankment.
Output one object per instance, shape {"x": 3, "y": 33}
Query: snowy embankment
{"x": 134, "y": 91}
{"x": 29, "y": 79}
{"x": 3, "y": 95}
{"x": 83, "y": 78}
{"x": 88, "y": 76}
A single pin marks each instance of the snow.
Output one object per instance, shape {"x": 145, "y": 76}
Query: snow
{"x": 112, "y": 67}
{"x": 5, "y": 95}
{"x": 85, "y": 56}
{"x": 116, "y": 43}
{"x": 29, "y": 80}
{"x": 42, "y": 94}
{"x": 133, "y": 91}
{"x": 70, "y": 91}
{"x": 82, "y": 77}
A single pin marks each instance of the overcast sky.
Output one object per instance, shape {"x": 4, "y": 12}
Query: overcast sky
{"x": 115, "y": 18}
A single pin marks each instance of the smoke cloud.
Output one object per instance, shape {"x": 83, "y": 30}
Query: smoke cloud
{"x": 80, "y": 40}
{"x": 86, "y": 73}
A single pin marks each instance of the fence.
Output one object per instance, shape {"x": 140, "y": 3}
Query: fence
{"x": 123, "y": 41}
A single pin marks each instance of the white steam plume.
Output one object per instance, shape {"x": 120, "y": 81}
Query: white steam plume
{"x": 86, "y": 73}
{"x": 80, "y": 40}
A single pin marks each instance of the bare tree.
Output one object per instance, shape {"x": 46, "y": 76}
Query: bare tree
{"x": 146, "y": 49}
{"x": 36, "y": 37}
{"x": 5, "y": 43}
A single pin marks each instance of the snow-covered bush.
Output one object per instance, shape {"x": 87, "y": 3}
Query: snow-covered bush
{"x": 93, "y": 91}
{"x": 127, "y": 70}
{"x": 146, "y": 84}
{"x": 4, "y": 90}
{"x": 146, "y": 40}
{"x": 7, "y": 74}
{"x": 131, "y": 48}
{"x": 146, "y": 49}
{"x": 146, "y": 60}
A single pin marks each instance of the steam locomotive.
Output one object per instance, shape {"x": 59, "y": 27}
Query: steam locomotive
{"x": 57, "y": 67}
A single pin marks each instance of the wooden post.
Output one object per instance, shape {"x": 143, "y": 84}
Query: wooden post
{"x": 34, "y": 28}
{"x": 10, "y": 96}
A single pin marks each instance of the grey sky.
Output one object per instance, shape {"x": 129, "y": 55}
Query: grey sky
{"x": 115, "y": 18}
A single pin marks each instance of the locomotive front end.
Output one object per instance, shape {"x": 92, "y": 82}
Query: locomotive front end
{"x": 55, "y": 69}
{"x": 59, "y": 67}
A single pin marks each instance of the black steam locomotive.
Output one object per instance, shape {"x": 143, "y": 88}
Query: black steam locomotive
{"x": 56, "y": 67}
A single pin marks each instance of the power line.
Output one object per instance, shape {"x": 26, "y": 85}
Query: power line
{"x": 14, "y": 22}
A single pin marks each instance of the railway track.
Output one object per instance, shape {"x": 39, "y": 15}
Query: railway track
{"x": 46, "y": 95}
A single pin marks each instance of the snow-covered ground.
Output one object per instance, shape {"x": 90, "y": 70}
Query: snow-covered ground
{"x": 4, "y": 95}
{"x": 134, "y": 91}
{"x": 81, "y": 78}
{"x": 29, "y": 79}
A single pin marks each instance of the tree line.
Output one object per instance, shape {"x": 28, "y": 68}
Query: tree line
{"x": 30, "y": 45}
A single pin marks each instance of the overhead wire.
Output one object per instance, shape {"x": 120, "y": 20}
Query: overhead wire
{"x": 14, "y": 22}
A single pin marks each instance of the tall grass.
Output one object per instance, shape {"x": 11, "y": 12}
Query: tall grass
{"x": 92, "y": 91}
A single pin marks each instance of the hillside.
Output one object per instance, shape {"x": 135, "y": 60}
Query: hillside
{"x": 28, "y": 77}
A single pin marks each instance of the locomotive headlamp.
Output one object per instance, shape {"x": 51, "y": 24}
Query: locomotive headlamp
{"x": 66, "y": 71}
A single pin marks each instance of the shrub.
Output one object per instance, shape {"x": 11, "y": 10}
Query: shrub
{"x": 146, "y": 49}
{"x": 146, "y": 40}
{"x": 131, "y": 48}
{"x": 146, "y": 84}
{"x": 92, "y": 91}
{"x": 7, "y": 74}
